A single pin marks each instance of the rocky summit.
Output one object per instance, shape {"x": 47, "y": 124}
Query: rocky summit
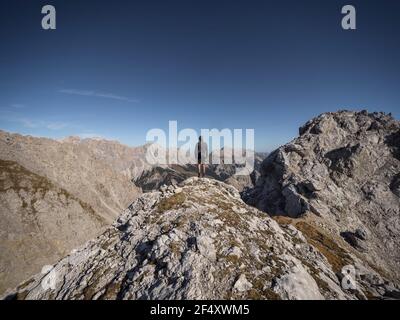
{"x": 343, "y": 171}
{"x": 198, "y": 240}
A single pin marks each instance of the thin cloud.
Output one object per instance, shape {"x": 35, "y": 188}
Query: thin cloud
{"x": 27, "y": 123}
{"x": 56, "y": 125}
{"x": 17, "y": 106}
{"x": 34, "y": 124}
{"x": 88, "y": 93}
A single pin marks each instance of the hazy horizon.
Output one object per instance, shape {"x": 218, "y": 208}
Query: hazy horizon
{"x": 83, "y": 137}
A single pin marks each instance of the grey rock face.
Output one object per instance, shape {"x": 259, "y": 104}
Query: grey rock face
{"x": 361, "y": 234}
{"x": 40, "y": 222}
{"x": 202, "y": 242}
{"x": 293, "y": 285}
{"x": 354, "y": 241}
{"x": 55, "y": 195}
{"x": 344, "y": 168}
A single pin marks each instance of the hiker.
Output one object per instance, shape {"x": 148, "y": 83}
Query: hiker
{"x": 201, "y": 151}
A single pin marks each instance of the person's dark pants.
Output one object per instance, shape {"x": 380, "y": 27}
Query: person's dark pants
{"x": 201, "y": 167}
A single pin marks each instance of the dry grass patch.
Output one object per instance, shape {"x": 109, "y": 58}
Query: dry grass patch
{"x": 282, "y": 220}
{"x": 172, "y": 202}
{"x": 335, "y": 255}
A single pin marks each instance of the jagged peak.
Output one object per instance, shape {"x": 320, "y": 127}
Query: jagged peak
{"x": 350, "y": 121}
{"x": 343, "y": 169}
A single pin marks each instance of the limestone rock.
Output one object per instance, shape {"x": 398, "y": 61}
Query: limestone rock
{"x": 343, "y": 169}
{"x": 190, "y": 245}
{"x": 242, "y": 284}
{"x": 297, "y": 285}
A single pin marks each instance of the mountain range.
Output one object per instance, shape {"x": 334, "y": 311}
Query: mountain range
{"x": 326, "y": 202}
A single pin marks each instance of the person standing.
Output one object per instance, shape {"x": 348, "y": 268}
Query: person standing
{"x": 202, "y": 154}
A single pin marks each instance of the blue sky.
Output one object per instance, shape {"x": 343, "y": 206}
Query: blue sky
{"x": 118, "y": 69}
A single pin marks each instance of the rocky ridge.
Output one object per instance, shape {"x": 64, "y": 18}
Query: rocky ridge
{"x": 343, "y": 171}
{"x": 198, "y": 240}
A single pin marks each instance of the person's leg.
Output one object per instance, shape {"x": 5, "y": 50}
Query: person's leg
{"x": 199, "y": 170}
{"x": 203, "y": 167}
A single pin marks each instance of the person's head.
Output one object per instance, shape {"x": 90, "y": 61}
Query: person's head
{"x": 200, "y": 138}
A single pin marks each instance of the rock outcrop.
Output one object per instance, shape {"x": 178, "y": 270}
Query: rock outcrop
{"x": 198, "y": 240}
{"x": 343, "y": 169}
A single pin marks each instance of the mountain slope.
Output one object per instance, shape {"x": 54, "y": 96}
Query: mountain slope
{"x": 95, "y": 171}
{"x": 343, "y": 170}
{"x": 195, "y": 241}
{"x": 56, "y": 195}
{"x": 40, "y": 223}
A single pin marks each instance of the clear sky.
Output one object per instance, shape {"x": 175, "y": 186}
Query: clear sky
{"x": 117, "y": 69}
